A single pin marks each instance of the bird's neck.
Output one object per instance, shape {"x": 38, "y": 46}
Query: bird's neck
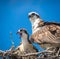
{"x": 35, "y": 24}
{"x": 25, "y": 41}
{"x": 35, "y": 20}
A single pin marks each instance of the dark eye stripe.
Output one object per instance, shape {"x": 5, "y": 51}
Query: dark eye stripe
{"x": 26, "y": 32}
{"x": 20, "y": 30}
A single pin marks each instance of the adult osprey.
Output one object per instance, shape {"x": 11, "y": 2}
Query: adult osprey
{"x": 47, "y": 34}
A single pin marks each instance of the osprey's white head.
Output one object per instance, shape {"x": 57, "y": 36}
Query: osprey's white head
{"x": 33, "y": 16}
{"x": 23, "y": 33}
{"x": 35, "y": 19}
{"x": 24, "y": 36}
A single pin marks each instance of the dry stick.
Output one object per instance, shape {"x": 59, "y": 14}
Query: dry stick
{"x": 31, "y": 54}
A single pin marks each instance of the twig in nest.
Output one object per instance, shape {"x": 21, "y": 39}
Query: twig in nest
{"x": 32, "y": 54}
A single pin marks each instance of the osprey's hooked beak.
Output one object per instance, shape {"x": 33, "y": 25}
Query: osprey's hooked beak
{"x": 19, "y": 33}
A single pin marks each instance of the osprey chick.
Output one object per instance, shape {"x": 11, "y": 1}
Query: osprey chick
{"x": 26, "y": 46}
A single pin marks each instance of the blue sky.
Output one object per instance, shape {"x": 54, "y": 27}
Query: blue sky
{"x": 14, "y": 15}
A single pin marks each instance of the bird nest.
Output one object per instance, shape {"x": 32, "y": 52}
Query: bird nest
{"x": 43, "y": 55}
{"x": 40, "y": 55}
